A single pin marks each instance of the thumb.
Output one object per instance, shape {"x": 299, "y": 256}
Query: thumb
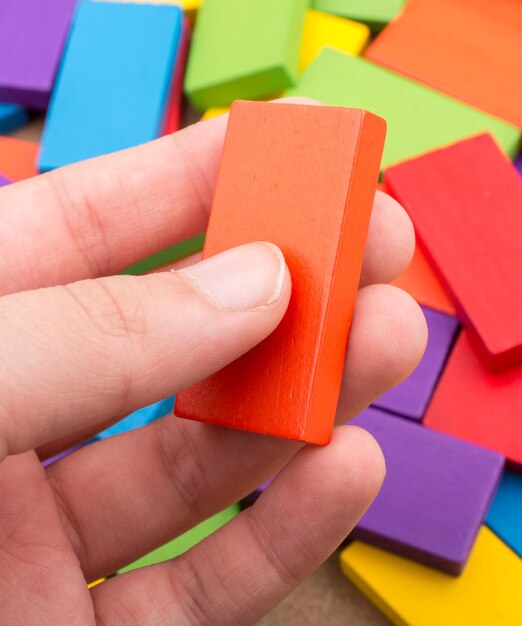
{"x": 101, "y": 348}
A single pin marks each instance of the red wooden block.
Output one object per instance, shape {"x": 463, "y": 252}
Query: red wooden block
{"x": 18, "y": 158}
{"x": 173, "y": 116}
{"x": 304, "y": 178}
{"x": 466, "y": 204}
{"x": 477, "y": 405}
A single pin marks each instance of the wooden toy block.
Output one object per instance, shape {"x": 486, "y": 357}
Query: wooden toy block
{"x": 420, "y": 282}
{"x": 173, "y": 116}
{"x": 96, "y": 582}
{"x": 419, "y": 119}
{"x": 323, "y": 29}
{"x": 11, "y": 117}
{"x": 138, "y": 419}
{"x": 518, "y": 164}
{"x": 32, "y": 36}
{"x": 435, "y": 496}
{"x": 375, "y": 13}
{"x": 410, "y": 398}
{"x": 60, "y": 455}
{"x": 409, "y": 594}
{"x": 4, "y": 181}
{"x": 477, "y": 405}
{"x": 302, "y": 177}
{"x": 184, "y": 542}
{"x": 111, "y": 96}
{"x": 466, "y": 48}
{"x": 214, "y": 112}
{"x": 243, "y": 50}
{"x": 169, "y": 255}
{"x": 18, "y": 158}
{"x": 464, "y": 201}
{"x": 505, "y": 516}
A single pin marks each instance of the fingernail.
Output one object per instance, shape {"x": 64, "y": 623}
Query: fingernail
{"x": 240, "y": 279}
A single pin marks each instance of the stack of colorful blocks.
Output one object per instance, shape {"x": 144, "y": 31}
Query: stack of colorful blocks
{"x": 442, "y": 543}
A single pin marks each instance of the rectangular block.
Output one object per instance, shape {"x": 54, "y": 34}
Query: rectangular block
{"x": 302, "y": 177}
{"x": 4, "y": 181}
{"x": 32, "y": 36}
{"x": 477, "y": 405}
{"x": 174, "y": 112}
{"x": 243, "y": 50}
{"x": 410, "y": 398}
{"x": 18, "y": 158}
{"x": 175, "y": 253}
{"x": 11, "y": 117}
{"x": 138, "y": 419}
{"x": 420, "y": 282}
{"x": 410, "y": 594}
{"x": 184, "y": 542}
{"x": 112, "y": 95}
{"x": 505, "y": 516}
{"x": 375, "y": 13}
{"x": 419, "y": 119}
{"x": 323, "y": 29}
{"x": 435, "y": 496}
{"x": 518, "y": 164}
{"x": 465, "y": 48}
{"x": 469, "y": 194}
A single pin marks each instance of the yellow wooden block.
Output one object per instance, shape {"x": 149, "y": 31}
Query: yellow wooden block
{"x": 96, "y": 582}
{"x": 210, "y": 113}
{"x": 409, "y": 594}
{"x": 323, "y": 29}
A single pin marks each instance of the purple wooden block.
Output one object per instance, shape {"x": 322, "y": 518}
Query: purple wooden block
{"x": 32, "y": 36}
{"x": 4, "y": 181}
{"x": 518, "y": 163}
{"x": 435, "y": 496}
{"x": 60, "y": 455}
{"x": 410, "y": 398}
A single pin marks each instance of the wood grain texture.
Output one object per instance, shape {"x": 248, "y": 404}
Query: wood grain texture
{"x": 465, "y": 202}
{"x": 465, "y": 48}
{"x": 477, "y": 405}
{"x": 304, "y": 178}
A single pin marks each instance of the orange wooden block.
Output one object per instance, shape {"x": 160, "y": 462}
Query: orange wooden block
{"x": 18, "y": 158}
{"x": 304, "y": 178}
{"x": 421, "y": 283}
{"x": 469, "y": 49}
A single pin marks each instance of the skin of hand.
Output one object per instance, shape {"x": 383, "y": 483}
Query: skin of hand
{"x": 82, "y": 348}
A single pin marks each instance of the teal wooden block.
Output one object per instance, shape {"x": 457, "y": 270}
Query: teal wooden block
{"x": 505, "y": 516}
{"x": 244, "y": 50}
{"x": 11, "y": 117}
{"x": 419, "y": 118}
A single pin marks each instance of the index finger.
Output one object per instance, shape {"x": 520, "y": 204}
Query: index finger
{"x": 97, "y": 217}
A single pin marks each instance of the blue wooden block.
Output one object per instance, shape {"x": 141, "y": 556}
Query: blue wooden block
{"x": 505, "y": 516}
{"x": 11, "y": 117}
{"x": 113, "y": 86}
{"x": 139, "y": 418}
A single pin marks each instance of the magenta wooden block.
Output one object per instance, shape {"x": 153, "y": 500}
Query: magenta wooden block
{"x": 4, "y": 181}
{"x": 32, "y": 36}
{"x": 410, "y": 399}
{"x": 435, "y": 496}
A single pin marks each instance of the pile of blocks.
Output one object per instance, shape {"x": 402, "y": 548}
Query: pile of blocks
{"x": 442, "y": 543}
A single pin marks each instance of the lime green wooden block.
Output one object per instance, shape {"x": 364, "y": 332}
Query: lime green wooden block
{"x": 375, "y": 13}
{"x": 244, "y": 49}
{"x": 186, "y": 541}
{"x": 169, "y": 255}
{"x": 419, "y": 118}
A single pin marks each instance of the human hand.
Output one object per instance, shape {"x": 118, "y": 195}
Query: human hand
{"x": 79, "y": 351}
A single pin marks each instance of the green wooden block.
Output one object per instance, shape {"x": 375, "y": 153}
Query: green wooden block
{"x": 375, "y": 13}
{"x": 169, "y": 255}
{"x": 186, "y": 541}
{"x": 244, "y": 49}
{"x": 419, "y": 119}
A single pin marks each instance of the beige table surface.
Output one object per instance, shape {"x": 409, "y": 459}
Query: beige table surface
{"x": 326, "y": 598}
